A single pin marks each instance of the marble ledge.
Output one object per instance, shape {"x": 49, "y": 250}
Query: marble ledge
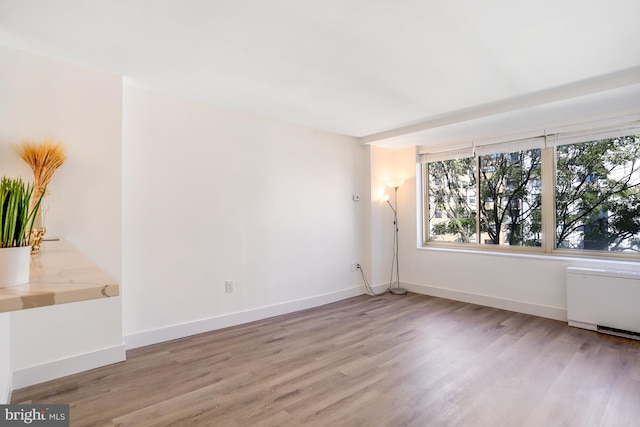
{"x": 59, "y": 274}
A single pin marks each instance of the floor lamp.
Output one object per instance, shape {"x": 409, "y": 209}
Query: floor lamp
{"x": 397, "y": 290}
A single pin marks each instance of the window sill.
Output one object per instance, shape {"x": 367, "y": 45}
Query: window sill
{"x": 560, "y": 257}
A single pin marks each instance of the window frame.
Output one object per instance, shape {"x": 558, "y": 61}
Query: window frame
{"x": 548, "y": 208}
{"x": 538, "y": 250}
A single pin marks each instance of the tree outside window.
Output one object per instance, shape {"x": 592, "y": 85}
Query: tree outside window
{"x": 597, "y": 197}
{"x": 452, "y": 217}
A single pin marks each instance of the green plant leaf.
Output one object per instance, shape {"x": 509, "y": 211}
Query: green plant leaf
{"x": 16, "y": 219}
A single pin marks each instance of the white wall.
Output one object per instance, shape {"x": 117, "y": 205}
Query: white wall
{"x": 41, "y": 98}
{"x": 212, "y": 195}
{"x": 524, "y": 283}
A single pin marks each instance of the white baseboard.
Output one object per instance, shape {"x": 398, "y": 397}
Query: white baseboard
{"x": 72, "y": 365}
{"x": 583, "y": 325}
{"x": 548, "y": 312}
{"x": 141, "y": 339}
{"x": 6, "y": 394}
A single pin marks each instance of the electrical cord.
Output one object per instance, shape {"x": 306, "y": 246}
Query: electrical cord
{"x": 368, "y": 287}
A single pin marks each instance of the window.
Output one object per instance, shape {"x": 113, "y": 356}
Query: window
{"x": 509, "y": 211}
{"x": 597, "y": 195}
{"x": 454, "y": 217}
{"x": 495, "y": 196}
{"x": 510, "y": 214}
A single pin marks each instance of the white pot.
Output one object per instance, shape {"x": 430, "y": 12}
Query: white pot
{"x": 14, "y": 266}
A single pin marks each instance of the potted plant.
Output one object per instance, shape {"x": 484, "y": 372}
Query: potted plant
{"x": 16, "y": 222}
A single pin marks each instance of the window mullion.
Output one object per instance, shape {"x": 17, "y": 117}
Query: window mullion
{"x": 425, "y": 204}
{"x": 478, "y": 201}
{"x": 548, "y": 199}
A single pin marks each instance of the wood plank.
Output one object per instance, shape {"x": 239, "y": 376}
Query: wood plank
{"x": 409, "y": 360}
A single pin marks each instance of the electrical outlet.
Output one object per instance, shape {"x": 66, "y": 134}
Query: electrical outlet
{"x": 355, "y": 266}
{"x": 228, "y": 286}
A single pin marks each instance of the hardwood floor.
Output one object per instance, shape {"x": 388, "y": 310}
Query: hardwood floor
{"x": 409, "y": 360}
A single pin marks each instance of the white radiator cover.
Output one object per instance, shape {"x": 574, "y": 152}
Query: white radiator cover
{"x": 598, "y": 298}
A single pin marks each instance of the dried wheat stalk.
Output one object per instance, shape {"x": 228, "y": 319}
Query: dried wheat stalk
{"x": 44, "y": 158}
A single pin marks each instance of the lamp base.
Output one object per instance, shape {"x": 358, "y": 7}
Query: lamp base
{"x": 398, "y": 291}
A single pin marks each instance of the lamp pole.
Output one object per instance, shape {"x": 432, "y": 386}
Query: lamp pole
{"x": 395, "y": 264}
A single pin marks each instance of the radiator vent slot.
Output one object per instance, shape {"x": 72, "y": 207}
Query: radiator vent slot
{"x": 619, "y": 332}
{"x": 604, "y": 300}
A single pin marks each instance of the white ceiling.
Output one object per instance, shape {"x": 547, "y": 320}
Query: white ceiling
{"x": 395, "y": 72}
